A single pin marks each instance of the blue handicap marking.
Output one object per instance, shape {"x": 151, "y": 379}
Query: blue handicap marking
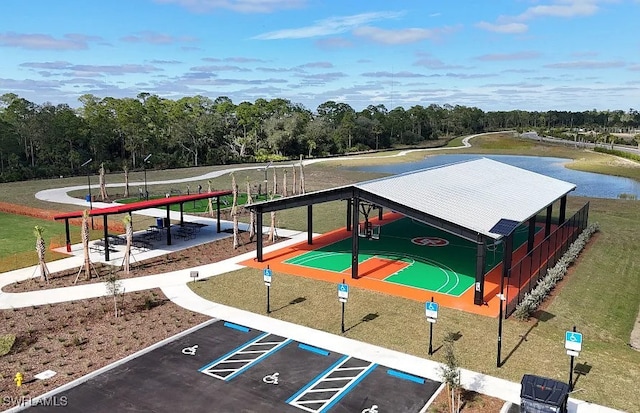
{"x": 574, "y": 337}
{"x": 266, "y": 272}
{"x": 431, "y": 306}
{"x": 343, "y": 292}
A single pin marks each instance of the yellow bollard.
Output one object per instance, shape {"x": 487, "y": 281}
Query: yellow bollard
{"x": 18, "y": 379}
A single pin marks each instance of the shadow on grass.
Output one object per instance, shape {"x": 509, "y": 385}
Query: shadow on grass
{"x": 451, "y": 336}
{"x": 365, "y": 319}
{"x": 581, "y": 369}
{"x": 292, "y": 302}
{"x": 523, "y": 338}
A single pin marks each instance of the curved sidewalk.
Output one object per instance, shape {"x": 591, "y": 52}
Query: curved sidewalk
{"x": 174, "y": 286}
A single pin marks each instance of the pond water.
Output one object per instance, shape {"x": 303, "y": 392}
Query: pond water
{"x": 588, "y": 184}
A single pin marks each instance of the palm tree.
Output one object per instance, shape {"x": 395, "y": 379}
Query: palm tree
{"x": 272, "y": 229}
{"x": 302, "y": 189}
{"x": 275, "y": 182}
{"x": 129, "y": 234}
{"x": 294, "y": 190}
{"x": 210, "y": 203}
{"x": 125, "y": 167}
{"x": 234, "y": 211}
{"x": 284, "y": 183}
{"x": 252, "y": 214}
{"x": 84, "y": 235}
{"x": 41, "y": 249}
{"x": 103, "y": 187}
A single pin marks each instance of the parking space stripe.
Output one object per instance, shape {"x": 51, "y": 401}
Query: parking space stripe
{"x": 232, "y": 352}
{"x": 353, "y": 384}
{"x": 334, "y": 374}
{"x": 313, "y": 349}
{"x": 268, "y": 353}
{"x": 242, "y": 358}
{"x": 405, "y": 376}
{"x": 237, "y": 327}
{"x": 315, "y": 379}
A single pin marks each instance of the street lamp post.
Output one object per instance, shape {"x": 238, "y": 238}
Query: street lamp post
{"x": 144, "y": 167}
{"x": 89, "y": 186}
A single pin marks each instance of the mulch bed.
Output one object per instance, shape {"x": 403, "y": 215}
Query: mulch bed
{"x": 76, "y": 338}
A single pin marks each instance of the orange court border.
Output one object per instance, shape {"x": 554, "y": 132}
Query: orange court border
{"x": 373, "y": 272}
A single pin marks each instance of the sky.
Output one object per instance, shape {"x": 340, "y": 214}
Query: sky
{"x": 492, "y": 54}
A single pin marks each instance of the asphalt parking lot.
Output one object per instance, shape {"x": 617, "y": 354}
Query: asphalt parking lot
{"x": 224, "y": 367}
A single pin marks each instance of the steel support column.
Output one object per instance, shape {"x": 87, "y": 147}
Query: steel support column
{"x": 355, "y": 219}
{"x": 478, "y": 297}
{"x": 532, "y": 234}
{"x": 259, "y": 234}
{"x": 309, "y": 224}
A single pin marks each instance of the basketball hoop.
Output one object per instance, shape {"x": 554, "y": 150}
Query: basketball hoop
{"x": 368, "y": 230}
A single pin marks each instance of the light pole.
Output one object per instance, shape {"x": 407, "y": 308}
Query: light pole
{"x": 89, "y": 185}
{"x": 144, "y": 167}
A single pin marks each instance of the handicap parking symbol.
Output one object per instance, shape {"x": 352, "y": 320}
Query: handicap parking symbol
{"x": 372, "y": 409}
{"x": 271, "y": 378}
{"x": 190, "y": 351}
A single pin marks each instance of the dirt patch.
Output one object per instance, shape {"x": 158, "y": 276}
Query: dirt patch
{"x": 191, "y": 257}
{"x": 471, "y": 402}
{"x": 76, "y": 338}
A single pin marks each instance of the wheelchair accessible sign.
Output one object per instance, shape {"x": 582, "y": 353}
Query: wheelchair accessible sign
{"x": 573, "y": 343}
{"x": 343, "y": 292}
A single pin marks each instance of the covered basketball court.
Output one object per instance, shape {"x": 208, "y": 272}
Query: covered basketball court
{"x": 448, "y": 228}
{"x": 137, "y": 206}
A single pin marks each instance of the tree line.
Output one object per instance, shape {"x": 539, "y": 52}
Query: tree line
{"x": 47, "y": 140}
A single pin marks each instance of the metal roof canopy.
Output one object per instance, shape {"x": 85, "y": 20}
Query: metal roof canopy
{"x": 466, "y": 199}
{"x": 136, "y": 206}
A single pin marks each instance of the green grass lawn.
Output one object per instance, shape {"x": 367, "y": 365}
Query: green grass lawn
{"x": 17, "y": 241}
{"x": 600, "y": 297}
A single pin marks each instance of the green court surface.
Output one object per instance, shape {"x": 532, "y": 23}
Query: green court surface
{"x": 435, "y": 260}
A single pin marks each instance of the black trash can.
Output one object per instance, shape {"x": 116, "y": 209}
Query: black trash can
{"x": 543, "y": 395}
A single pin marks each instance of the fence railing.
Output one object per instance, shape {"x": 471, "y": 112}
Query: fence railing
{"x": 526, "y": 273}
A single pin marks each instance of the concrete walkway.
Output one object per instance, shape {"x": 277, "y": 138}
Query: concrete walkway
{"x": 174, "y": 286}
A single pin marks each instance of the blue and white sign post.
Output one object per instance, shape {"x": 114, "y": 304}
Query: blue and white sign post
{"x": 343, "y": 295}
{"x": 431, "y": 311}
{"x": 573, "y": 344}
{"x": 266, "y": 274}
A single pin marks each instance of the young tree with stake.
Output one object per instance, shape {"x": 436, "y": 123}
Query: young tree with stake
{"x": 41, "y": 249}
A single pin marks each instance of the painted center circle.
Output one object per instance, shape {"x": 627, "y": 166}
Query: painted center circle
{"x": 430, "y": 241}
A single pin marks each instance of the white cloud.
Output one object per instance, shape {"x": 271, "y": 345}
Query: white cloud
{"x": 500, "y": 57}
{"x": 584, "y": 64}
{"x": 329, "y": 26}
{"x": 556, "y": 8}
{"x": 242, "y": 6}
{"x": 156, "y": 38}
{"x": 400, "y": 36}
{"x": 46, "y": 42}
{"x": 510, "y": 28}
{"x": 565, "y": 8}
